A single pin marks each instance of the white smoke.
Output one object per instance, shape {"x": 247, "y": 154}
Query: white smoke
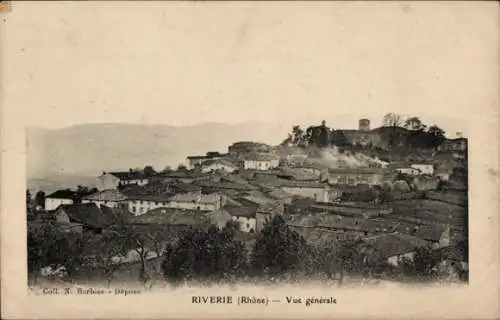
{"x": 332, "y": 158}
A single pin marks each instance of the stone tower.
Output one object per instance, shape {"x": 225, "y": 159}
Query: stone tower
{"x": 364, "y": 125}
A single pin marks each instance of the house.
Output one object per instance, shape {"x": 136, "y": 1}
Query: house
{"x": 424, "y": 168}
{"x": 87, "y": 214}
{"x": 111, "y": 198}
{"x": 195, "y": 161}
{"x": 295, "y": 159}
{"x": 112, "y": 180}
{"x": 197, "y": 201}
{"x": 67, "y": 196}
{"x": 267, "y": 211}
{"x": 175, "y": 220}
{"x": 261, "y": 161}
{"x": 318, "y": 191}
{"x": 404, "y": 168}
{"x": 454, "y": 145}
{"x": 241, "y": 148}
{"x": 243, "y": 215}
{"x": 55, "y": 199}
{"x": 139, "y": 204}
{"x": 354, "y": 176}
{"x": 392, "y": 247}
{"x": 221, "y": 186}
{"x": 214, "y": 165}
{"x": 185, "y": 177}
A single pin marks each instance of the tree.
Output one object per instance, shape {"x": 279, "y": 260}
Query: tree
{"x": 105, "y": 252}
{"x": 204, "y": 255}
{"x": 278, "y": 249}
{"x": 167, "y": 169}
{"x": 414, "y": 124}
{"x": 29, "y": 206}
{"x": 339, "y": 139}
{"x": 181, "y": 167}
{"x": 47, "y": 246}
{"x": 392, "y": 120}
{"x": 149, "y": 171}
{"x": 40, "y": 199}
{"x": 436, "y": 136}
{"x": 298, "y": 137}
{"x": 132, "y": 239}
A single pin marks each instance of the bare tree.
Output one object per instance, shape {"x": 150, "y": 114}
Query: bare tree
{"x": 392, "y": 120}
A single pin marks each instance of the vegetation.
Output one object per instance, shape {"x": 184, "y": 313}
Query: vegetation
{"x": 398, "y": 133}
{"x": 211, "y": 255}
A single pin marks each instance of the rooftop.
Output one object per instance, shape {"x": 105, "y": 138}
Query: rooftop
{"x": 394, "y": 244}
{"x": 261, "y": 157}
{"x": 171, "y": 216}
{"x": 222, "y": 161}
{"x": 69, "y": 194}
{"x": 86, "y": 213}
{"x": 240, "y": 211}
{"x": 106, "y": 195}
{"x": 196, "y": 197}
{"x": 130, "y": 175}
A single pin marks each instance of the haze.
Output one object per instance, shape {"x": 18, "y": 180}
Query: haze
{"x": 182, "y": 63}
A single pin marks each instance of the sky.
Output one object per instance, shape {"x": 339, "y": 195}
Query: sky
{"x": 68, "y": 63}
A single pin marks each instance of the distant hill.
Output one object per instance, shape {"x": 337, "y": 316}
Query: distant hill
{"x": 89, "y": 149}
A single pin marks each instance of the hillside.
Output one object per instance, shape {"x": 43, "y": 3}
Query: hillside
{"x": 89, "y": 149}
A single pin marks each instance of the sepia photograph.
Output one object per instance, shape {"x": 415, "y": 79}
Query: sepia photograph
{"x": 174, "y": 149}
{"x": 334, "y": 205}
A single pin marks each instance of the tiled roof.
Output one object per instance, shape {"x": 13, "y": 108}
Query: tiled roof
{"x": 106, "y": 195}
{"x": 130, "y": 175}
{"x": 85, "y": 213}
{"x": 225, "y": 185}
{"x": 303, "y": 184}
{"x": 242, "y": 211}
{"x": 394, "y": 244}
{"x": 68, "y": 194}
{"x": 150, "y": 197}
{"x": 222, "y": 161}
{"x": 300, "y": 174}
{"x": 116, "y": 213}
{"x": 261, "y": 157}
{"x": 172, "y": 217}
{"x": 197, "y": 197}
{"x": 278, "y": 194}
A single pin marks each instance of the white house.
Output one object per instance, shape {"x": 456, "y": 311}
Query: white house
{"x": 112, "y": 180}
{"x": 140, "y": 204}
{"x": 110, "y": 198}
{"x": 261, "y": 161}
{"x": 424, "y": 168}
{"x": 67, "y": 196}
{"x": 244, "y": 216}
{"x": 54, "y": 200}
{"x": 218, "y": 165}
{"x": 317, "y": 191}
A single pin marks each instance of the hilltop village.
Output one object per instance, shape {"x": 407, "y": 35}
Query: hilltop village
{"x": 389, "y": 202}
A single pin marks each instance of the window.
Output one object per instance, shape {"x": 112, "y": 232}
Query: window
{"x": 248, "y": 225}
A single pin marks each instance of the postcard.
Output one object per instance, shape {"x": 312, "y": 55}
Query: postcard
{"x": 250, "y": 160}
